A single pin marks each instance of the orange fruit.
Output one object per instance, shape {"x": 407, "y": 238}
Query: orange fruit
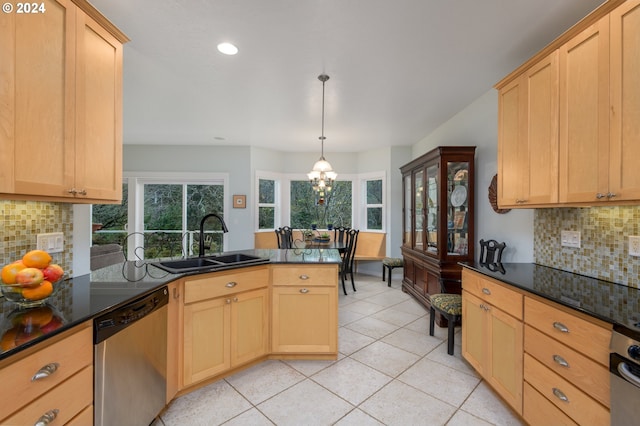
{"x": 37, "y": 259}
{"x": 10, "y": 271}
{"x": 39, "y": 292}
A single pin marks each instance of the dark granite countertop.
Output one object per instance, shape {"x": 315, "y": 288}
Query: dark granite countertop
{"x": 614, "y": 303}
{"x": 83, "y": 298}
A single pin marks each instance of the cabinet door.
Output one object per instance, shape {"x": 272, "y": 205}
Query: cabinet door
{"x": 37, "y": 71}
{"x": 304, "y": 320}
{"x": 504, "y": 356}
{"x": 528, "y": 138}
{"x": 249, "y": 323}
{"x": 625, "y": 101}
{"x": 584, "y": 116}
{"x": 473, "y": 332}
{"x": 207, "y": 338}
{"x": 512, "y": 144}
{"x": 98, "y": 167}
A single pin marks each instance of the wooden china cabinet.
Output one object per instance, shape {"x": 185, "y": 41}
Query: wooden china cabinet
{"x": 438, "y": 221}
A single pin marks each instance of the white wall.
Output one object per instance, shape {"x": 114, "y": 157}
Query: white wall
{"x": 477, "y": 125}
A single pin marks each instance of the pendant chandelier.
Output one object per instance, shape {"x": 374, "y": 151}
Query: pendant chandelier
{"x": 322, "y": 176}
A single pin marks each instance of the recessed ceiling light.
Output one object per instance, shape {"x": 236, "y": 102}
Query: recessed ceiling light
{"x": 227, "y": 48}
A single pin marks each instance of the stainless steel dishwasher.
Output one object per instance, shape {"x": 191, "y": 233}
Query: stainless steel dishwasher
{"x": 131, "y": 362}
{"x": 625, "y": 376}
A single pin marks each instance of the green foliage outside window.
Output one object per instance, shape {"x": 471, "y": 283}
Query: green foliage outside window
{"x": 305, "y": 210}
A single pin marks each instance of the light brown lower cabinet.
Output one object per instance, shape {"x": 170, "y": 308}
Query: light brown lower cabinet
{"x": 225, "y": 322}
{"x": 304, "y": 311}
{"x": 65, "y": 388}
{"x": 548, "y": 362}
{"x": 492, "y": 343}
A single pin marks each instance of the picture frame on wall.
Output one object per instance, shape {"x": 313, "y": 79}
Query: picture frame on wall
{"x": 239, "y": 201}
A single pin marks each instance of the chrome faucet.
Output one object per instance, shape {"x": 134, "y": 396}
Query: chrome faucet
{"x": 204, "y": 219}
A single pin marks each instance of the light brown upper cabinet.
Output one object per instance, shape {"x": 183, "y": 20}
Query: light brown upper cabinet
{"x": 569, "y": 129}
{"x": 528, "y": 126}
{"x": 61, "y": 124}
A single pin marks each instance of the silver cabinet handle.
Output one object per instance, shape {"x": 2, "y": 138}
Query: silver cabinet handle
{"x": 560, "y": 361}
{"x": 231, "y": 284}
{"x": 304, "y": 277}
{"x": 486, "y": 291}
{"x": 560, "y": 395}
{"x": 47, "y": 417}
{"x": 560, "y": 326}
{"x": 228, "y": 301}
{"x": 82, "y": 192}
{"x": 235, "y": 299}
{"x": 600, "y": 196}
{"x": 45, "y": 371}
{"x": 304, "y": 291}
{"x": 484, "y": 307}
{"x": 520, "y": 201}
{"x": 611, "y": 194}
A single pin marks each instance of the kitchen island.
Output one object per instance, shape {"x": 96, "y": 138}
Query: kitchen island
{"x": 284, "y": 308}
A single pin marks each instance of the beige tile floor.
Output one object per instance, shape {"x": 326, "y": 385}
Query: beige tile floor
{"x": 389, "y": 372}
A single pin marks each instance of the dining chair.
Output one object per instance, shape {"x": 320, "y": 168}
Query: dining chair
{"x": 346, "y": 267}
{"x": 285, "y": 237}
{"x": 339, "y": 234}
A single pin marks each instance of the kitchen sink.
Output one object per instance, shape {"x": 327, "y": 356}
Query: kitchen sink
{"x": 209, "y": 263}
{"x": 235, "y": 258}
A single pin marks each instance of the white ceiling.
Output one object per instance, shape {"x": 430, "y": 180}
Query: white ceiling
{"x": 398, "y": 68}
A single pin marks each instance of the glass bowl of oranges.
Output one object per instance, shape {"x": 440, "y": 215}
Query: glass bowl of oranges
{"x": 32, "y": 280}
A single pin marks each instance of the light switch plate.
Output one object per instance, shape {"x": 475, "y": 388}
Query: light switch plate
{"x": 634, "y": 245}
{"x": 52, "y": 242}
{"x": 570, "y": 239}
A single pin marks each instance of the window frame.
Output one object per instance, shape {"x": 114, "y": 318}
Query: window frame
{"x": 358, "y": 181}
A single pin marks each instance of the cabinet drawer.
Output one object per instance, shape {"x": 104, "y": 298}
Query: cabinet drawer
{"x": 224, "y": 283}
{"x": 306, "y": 276}
{"x": 538, "y": 411}
{"x": 498, "y": 295}
{"x": 69, "y": 398}
{"x": 581, "y": 335}
{"x": 70, "y": 354}
{"x": 578, "y": 405}
{"x": 583, "y": 372}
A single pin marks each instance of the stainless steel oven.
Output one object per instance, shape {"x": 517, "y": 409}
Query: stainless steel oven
{"x": 131, "y": 362}
{"x": 624, "y": 367}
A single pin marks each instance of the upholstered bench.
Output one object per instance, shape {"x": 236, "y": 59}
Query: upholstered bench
{"x": 388, "y": 263}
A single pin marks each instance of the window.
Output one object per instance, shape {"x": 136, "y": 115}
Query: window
{"x": 165, "y": 218}
{"x": 109, "y": 221}
{"x": 374, "y": 204}
{"x": 337, "y": 209}
{"x": 266, "y": 204}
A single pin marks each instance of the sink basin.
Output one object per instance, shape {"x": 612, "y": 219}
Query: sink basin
{"x": 228, "y": 259}
{"x": 186, "y": 265}
{"x": 209, "y": 263}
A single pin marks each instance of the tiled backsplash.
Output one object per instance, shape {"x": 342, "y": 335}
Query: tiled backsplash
{"x": 23, "y": 220}
{"x": 604, "y": 250}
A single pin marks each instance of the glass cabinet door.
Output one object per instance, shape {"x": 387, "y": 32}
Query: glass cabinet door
{"x": 432, "y": 208}
{"x": 418, "y": 181}
{"x": 408, "y": 212}
{"x": 457, "y": 208}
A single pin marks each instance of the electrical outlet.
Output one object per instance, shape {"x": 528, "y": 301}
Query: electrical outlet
{"x": 634, "y": 245}
{"x": 570, "y": 239}
{"x": 52, "y": 242}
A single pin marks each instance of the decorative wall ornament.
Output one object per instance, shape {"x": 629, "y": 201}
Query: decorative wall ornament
{"x": 493, "y": 196}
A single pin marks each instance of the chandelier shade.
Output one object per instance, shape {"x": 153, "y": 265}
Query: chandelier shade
{"x": 322, "y": 175}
